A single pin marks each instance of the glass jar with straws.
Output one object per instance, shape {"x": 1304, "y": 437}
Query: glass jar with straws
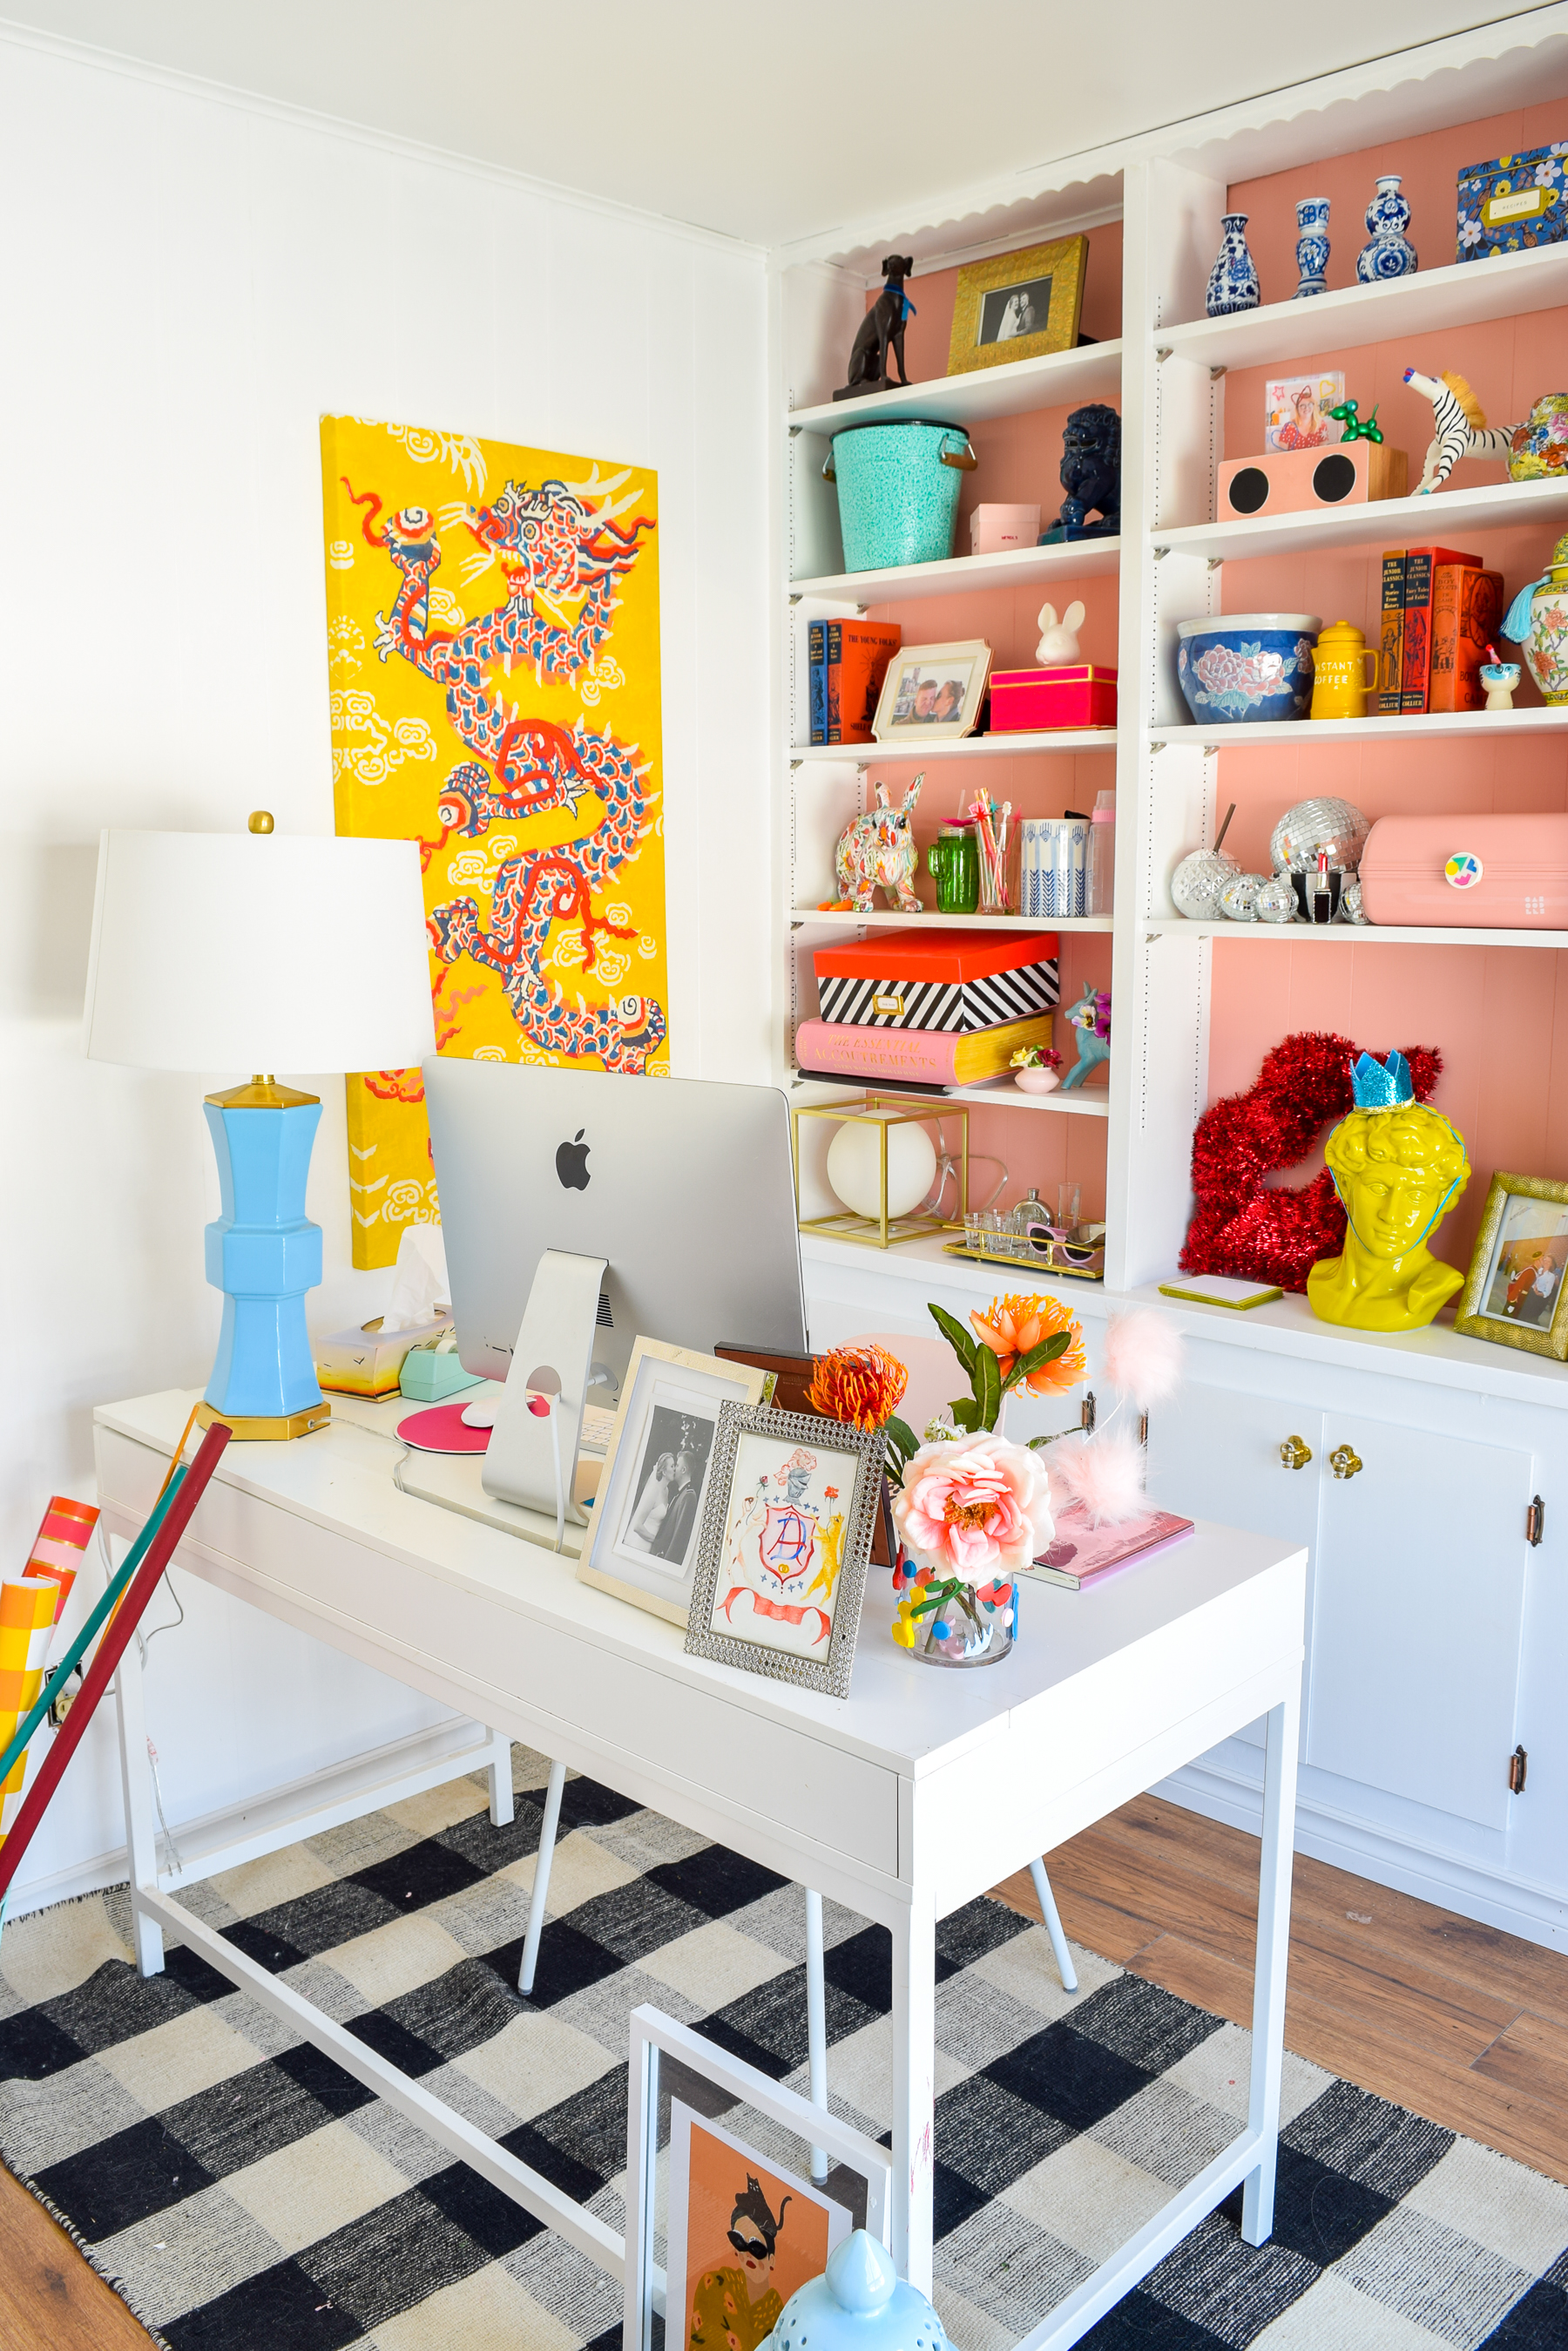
{"x": 993, "y": 834}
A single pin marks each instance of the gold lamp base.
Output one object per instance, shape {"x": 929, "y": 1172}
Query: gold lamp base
{"x": 267, "y": 1425}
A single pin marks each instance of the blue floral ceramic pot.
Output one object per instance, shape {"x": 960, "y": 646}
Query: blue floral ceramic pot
{"x": 1247, "y": 666}
{"x": 1233, "y": 280}
{"x": 1312, "y": 246}
{"x": 1390, "y": 253}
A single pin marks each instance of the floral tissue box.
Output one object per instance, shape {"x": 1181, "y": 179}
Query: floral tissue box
{"x": 1514, "y": 202}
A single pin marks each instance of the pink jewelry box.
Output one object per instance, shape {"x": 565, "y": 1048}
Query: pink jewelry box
{"x": 993, "y": 528}
{"x": 1078, "y": 695}
{"x": 1468, "y": 872}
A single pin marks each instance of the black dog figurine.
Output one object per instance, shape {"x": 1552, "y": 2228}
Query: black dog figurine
{"x": 882, "y": 330}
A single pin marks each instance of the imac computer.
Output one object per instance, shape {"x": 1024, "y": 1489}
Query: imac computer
{"x": 581, "y": 1208}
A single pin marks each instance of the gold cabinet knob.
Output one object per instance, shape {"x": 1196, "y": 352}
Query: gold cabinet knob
{"x": 1295, "y": 1453}
{"x": 1344, "y": 1462}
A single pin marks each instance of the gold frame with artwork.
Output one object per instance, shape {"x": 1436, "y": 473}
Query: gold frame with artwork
{"x": 1476, "y": 1318}
{"x": 979, "y": 313}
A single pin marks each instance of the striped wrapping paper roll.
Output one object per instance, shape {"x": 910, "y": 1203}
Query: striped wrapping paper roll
{"x": 58, "y": 1546}
{"x": 27, "y": 1629}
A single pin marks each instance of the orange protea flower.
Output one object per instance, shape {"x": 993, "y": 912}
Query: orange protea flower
{"x": 863, "y": 1384}
{"x": 1010, "y": 1327}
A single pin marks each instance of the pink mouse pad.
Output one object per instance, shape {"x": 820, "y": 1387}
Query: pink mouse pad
{"x": 441, "y": 1428}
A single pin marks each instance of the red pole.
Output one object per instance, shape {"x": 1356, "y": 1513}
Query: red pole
{"x": 112, "y": 1648}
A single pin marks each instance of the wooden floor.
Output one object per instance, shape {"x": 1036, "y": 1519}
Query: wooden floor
{"x": 1457, "y": 2022}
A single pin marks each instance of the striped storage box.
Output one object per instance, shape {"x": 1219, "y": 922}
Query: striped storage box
{"x": 957, "y": 981}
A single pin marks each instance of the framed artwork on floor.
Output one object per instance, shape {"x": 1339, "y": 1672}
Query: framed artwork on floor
{"x": 648, "y": 1513}
{"x": 1515, "y": 1292}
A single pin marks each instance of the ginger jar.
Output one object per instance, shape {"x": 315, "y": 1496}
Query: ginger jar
{"x": 1544, "y": 644}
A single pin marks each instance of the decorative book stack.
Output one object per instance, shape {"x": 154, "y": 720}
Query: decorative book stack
{"x": 929, "y": 1009}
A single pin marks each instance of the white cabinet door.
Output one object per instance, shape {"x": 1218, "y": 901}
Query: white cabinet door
{"x": 1214, "y": 1453}
{"x": 1417, "y": 1615}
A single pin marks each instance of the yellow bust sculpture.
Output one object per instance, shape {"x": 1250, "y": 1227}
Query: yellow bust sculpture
{"x": 1397, "y": 1167}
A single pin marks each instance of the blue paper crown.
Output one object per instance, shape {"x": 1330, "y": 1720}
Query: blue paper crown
{"x": 1379, "y": 1085}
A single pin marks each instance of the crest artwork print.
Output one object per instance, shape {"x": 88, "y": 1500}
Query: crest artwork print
{"x": 492, "y": 644}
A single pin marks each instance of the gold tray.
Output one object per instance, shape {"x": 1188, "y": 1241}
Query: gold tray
{"x": 1028, "y": 1265}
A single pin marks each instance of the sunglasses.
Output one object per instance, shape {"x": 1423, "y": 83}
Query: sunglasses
{"x": 754, "y": 2246}
{"x": 1046, "y": 1239}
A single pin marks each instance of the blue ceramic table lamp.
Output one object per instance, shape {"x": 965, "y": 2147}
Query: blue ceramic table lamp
{"x": 260, "y": 951}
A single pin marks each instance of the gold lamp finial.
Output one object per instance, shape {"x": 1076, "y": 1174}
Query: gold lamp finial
{"x": 261, "y": 820}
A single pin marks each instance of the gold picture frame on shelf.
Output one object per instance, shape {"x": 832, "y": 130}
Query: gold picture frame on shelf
{"x": 1516, "y": 1293}
{"x": 1018, "y": 305}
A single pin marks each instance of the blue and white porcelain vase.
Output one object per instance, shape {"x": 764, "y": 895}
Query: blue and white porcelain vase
{"x": 1390, "y": 253}
{"x": 1233, "y": 280}
{"x": 1312, "y": 246}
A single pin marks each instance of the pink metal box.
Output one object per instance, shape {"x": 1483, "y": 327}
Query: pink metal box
{"x": 1079, "y": 695}
{"x": 1468, "y": 872}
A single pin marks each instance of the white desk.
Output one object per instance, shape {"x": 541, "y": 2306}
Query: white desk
{"x": 920, "y": 1790}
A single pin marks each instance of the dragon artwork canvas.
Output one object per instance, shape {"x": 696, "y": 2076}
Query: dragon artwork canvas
{"x": 492, "y": 642}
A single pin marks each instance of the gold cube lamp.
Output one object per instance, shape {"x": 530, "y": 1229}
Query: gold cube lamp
{"x": 883, "y": 1115}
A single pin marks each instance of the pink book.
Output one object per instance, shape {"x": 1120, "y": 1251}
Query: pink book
{"x": 1082, "y": 1553}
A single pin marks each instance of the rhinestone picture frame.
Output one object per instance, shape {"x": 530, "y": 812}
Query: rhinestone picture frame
{"x": 861, "y": 1454}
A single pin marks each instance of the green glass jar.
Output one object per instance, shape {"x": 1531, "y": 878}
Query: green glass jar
{"x": 953, "y": 862}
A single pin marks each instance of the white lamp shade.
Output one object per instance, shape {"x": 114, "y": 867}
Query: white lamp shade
{"x": 258, "y": 952}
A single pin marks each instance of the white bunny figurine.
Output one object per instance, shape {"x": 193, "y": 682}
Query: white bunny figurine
{"x": 1059, "y": 645}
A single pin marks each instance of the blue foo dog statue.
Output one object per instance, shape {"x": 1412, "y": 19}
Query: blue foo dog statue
{"x": 1091, "y": 475}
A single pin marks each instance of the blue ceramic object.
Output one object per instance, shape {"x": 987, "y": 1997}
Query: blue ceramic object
{"x": 1233, "y": 280}
{"x": 859, "y": 2304}
{"x": 264, "y": 1254}
{"x": 1312, "y": 246}
{"x": 897, "y": 491}
{"x": 1247, "y": 666}
{"x": 1390, "y": 253}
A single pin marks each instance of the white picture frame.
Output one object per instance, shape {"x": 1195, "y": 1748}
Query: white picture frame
{"x": 698, "y": 2148}
{"x": 962, "y": 667}
{"x": 646, "y": 1523}
{"x": 663, "y": 2052}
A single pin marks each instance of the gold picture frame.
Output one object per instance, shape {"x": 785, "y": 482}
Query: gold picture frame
{"x": 1516, "y": 1293}
{"x": 999, "y": 302}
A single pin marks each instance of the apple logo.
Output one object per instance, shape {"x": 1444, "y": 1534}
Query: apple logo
{"x": 572, "y": 1163}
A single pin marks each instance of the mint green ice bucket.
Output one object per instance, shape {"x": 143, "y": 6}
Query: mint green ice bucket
{"x": 897, "y": 491}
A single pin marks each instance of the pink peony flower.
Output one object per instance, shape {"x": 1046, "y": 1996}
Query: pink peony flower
{"x": 974, "y": 1507}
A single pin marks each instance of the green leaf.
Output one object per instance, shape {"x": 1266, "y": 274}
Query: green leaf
{"x": 988, "y": 1388}
{"x": 902, "y": 1442}
{"x": 1046, "y": 1352}
{"x": 957, "y": 1337}
{"x": 965, "y": 1410}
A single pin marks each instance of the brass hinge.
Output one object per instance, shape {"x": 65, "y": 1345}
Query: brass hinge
{"x": 1086, "y": 1413}
{"x": 1518, "y": 1765}
{"x": 1535, "y": 1521}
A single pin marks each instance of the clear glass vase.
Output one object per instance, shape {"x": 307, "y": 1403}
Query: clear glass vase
{"x": 973, "y": 1624}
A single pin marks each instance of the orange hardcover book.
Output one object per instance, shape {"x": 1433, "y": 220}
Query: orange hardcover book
{"x": 1467, "y": 609}
{"x": 859, "y": 653}
{"x": 1421, "y": 566}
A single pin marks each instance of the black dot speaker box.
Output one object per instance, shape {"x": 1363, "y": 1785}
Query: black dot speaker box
{"x": 1289, "y": 481}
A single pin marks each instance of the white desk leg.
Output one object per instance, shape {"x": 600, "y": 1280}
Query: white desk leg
{"x": 501, "y": 1803}
{"x": 141, "y": 1838}
{"x": 553, "y": 1787}
{"x": 815, "y": 2025}
{"x": 1270, "y": 1965}
{"x": 1052, "y": 1918}
{"x": 914, "y": 2071}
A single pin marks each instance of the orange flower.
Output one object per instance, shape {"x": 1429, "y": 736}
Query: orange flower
{"x": 863, "y": 1384}
{"x": 1011, "y": 1326}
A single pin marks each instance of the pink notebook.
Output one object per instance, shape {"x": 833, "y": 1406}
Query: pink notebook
{"x": 1082, "y": 1553}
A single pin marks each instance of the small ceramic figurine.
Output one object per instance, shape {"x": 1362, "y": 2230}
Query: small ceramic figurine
{"x": 1499, "y": 679}
{"x": 879, "y": 849}
{"x": 1312, "y": 246}
{"x": 859, "y": 2304}
{"x": 1462, "y": 427}
{"x": 1398, "y": 1167}
{"x": 1538, "y": 623}
{"x": 1091, "y": 475}
{"x": 1390, "y": 253}
{"x": 1233, "y": 280}
{"x": 1059, "y": 645}
{"x": 882, "y": 330}
{"x": 1090, "y": 1016}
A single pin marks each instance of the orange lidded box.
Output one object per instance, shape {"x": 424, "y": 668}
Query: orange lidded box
{"x": 955, "y": 981}
{"x": 1078, "y": 695}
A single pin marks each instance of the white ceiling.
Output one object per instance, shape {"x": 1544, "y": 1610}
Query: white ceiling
{"x": 761, "y": 121}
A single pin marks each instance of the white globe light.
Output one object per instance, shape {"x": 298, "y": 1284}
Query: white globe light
{"x": 855, "y": 1167}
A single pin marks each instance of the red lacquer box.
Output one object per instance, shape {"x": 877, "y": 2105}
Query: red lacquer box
{"x": 1079, "y": 695}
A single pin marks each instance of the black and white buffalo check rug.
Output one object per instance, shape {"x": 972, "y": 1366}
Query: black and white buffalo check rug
{"x": 239, "y": 2189}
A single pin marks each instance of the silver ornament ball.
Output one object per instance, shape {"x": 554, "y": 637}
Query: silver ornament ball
{"x": 1198, "y": 882}
{"x": 1336, "y": 825}
{"x": 1238, "y": 898}
{"x": 1351, "y": 909}
{"x": 1276, "y": 901}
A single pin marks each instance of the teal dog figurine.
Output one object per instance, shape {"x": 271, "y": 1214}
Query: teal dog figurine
{"x": 1090, "y": 1016}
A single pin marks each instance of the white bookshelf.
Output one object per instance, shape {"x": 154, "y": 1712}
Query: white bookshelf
{"x": 847, "y": 919}
{"x": 1501, "y": 505}
{"x": 1059, "y": 739}
{"x": 1059, "y": 380}
{"x": 1376, "y": 934}
{"x": 959, "y": 575}
{"x": 1304, "y": 734}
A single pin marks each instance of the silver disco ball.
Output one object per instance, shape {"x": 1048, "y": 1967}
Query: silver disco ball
{"x": 1198, "y": 882}
{"x": 1336, "y": 825}
{"x": 1237, "y": 900}
{"x": 1276, "y": 901}
{"x": 1351, "y": 909}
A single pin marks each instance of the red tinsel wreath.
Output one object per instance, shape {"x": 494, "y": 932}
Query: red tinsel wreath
{"x": 1244, "y": 1226}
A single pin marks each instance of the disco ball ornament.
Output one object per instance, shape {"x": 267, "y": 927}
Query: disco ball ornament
{"x": 1237, "y": 900}
{"x": 855, "y": 1167}
{"x": 1276, "y": 901}
{"x": 1351, "y": 909}
{"x": 1336, "y": 825}
{"x": 1198, "y": 882}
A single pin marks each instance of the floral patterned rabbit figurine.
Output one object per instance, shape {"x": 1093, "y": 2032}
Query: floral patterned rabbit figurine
{"x": 879, "y": 847}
